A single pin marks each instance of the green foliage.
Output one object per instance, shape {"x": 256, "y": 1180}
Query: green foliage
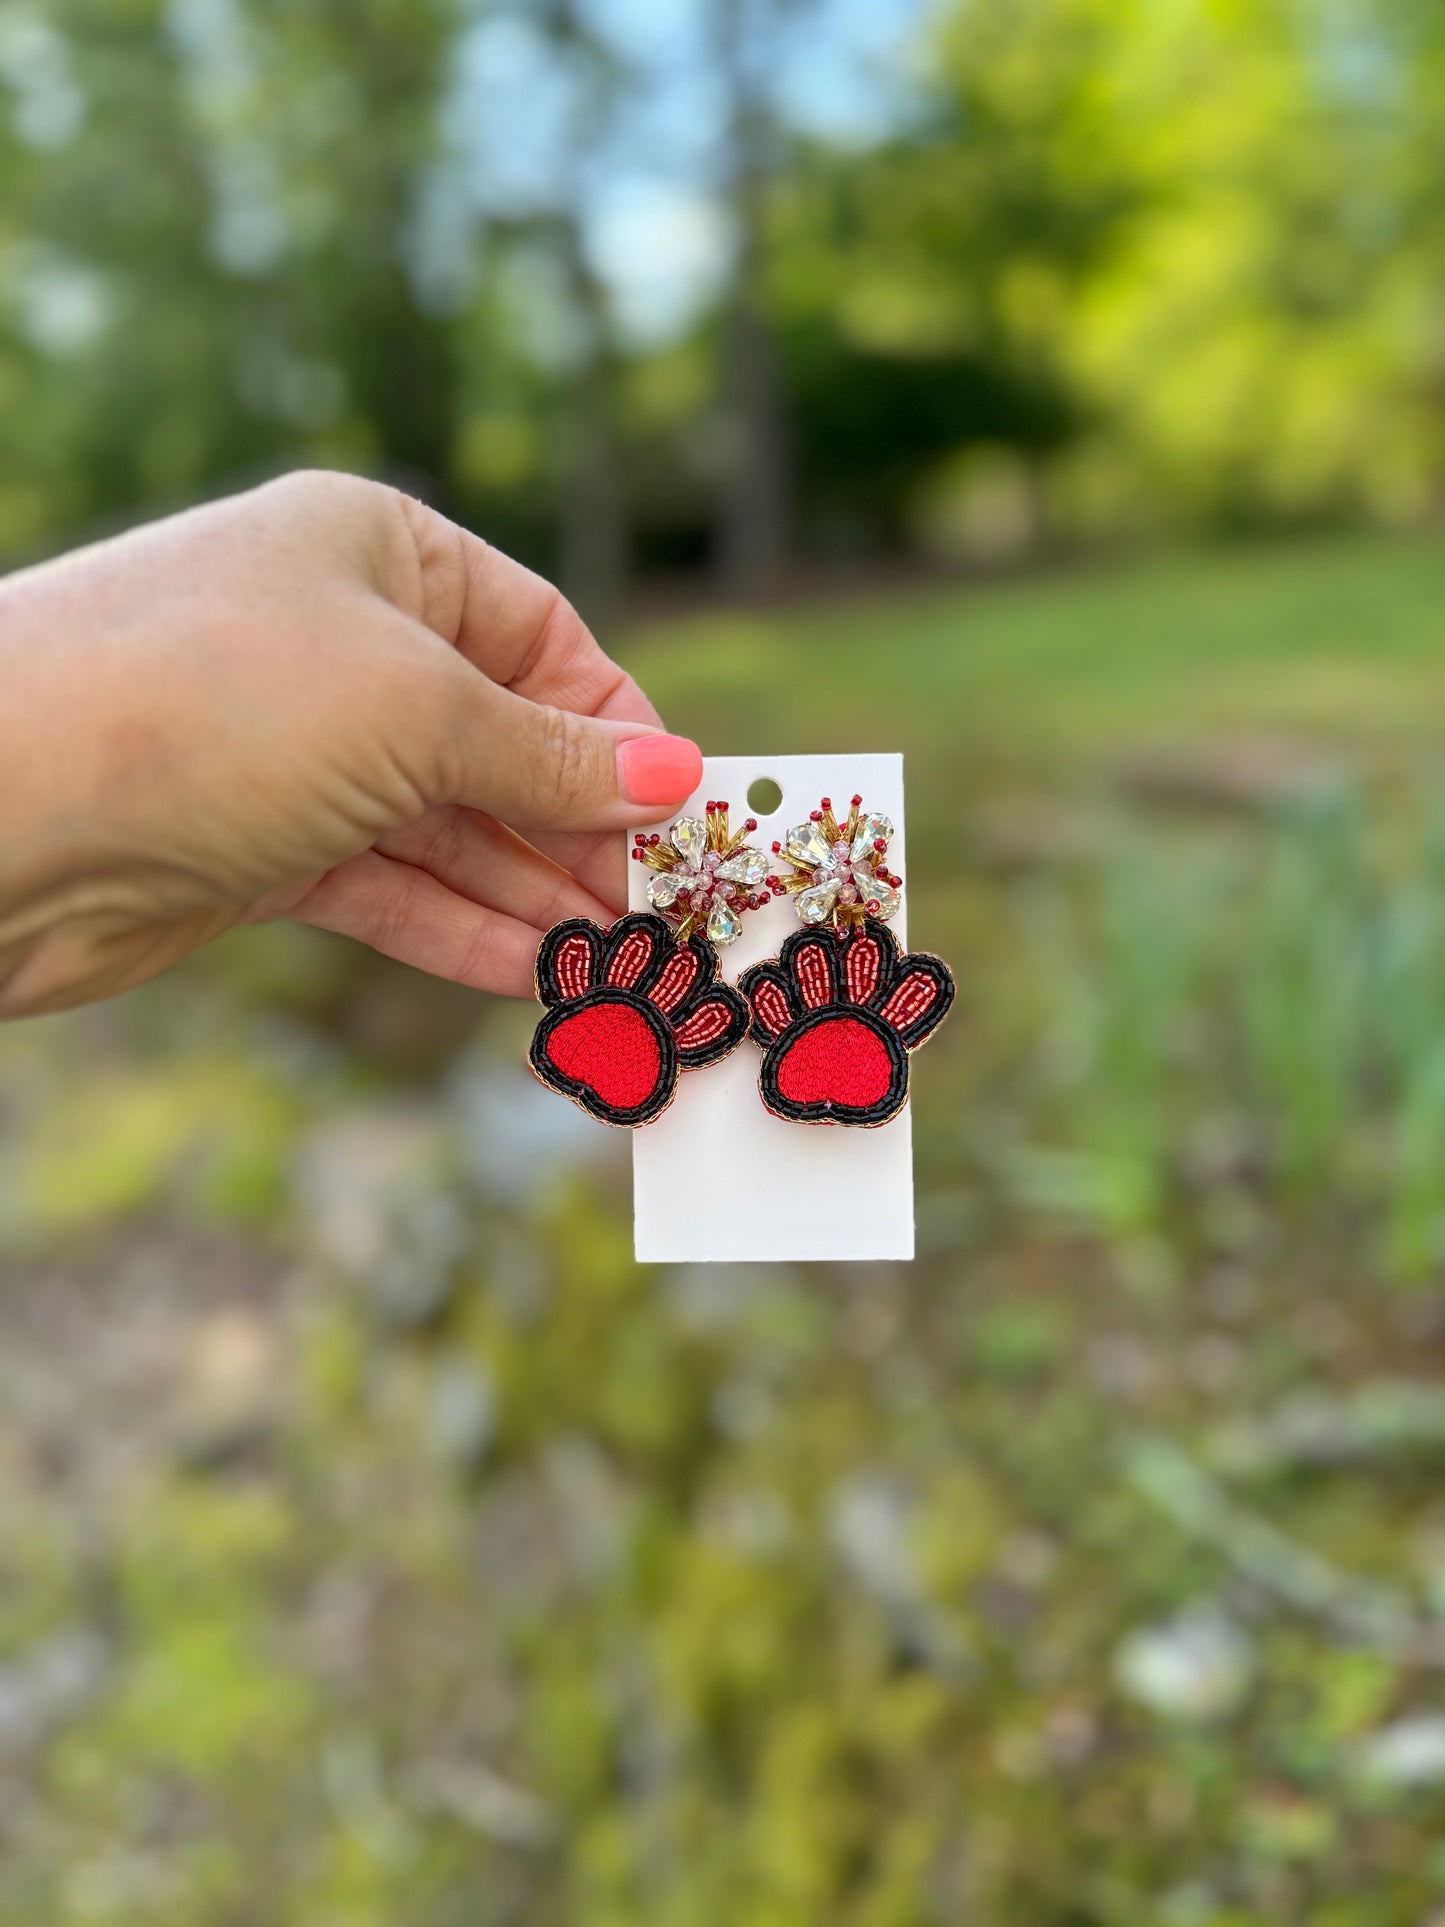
{"x": 1258, "y": 1024}
{"x": 89, "y": 1159}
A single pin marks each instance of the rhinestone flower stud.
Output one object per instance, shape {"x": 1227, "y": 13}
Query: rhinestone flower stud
{"x": 840, "y": 874}
{"x": 706, "y": 878}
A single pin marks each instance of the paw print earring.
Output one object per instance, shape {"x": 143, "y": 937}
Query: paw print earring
{"x": 841, "y": 1008}
{"x": 631, "y": 1008}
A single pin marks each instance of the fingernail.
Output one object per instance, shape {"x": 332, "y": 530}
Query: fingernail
{"x": 658, "y": 769}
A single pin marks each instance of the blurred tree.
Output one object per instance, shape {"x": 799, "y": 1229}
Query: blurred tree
{"x": 755, "y": 508}
{"x": 592, "y": 510}
{"x": 930, "y": 284}
{"x": 345, "y": 119}
{"x": 210, "y": 225}
{"x": 1111, "y": 267}
{"x": 116, "y": 346}
{"x": 1245, "y": 345}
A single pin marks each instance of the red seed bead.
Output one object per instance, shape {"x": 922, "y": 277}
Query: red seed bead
{"x": 777, "y": 849}
{"x": 815, "y": 816}
{"x": 637, "y": 856}
{"x": 751, "y": 824}
{"x": 856, "y": 801}
{"x": 880, "y": 844}
{"x": 827, "y": 802}
{"x": 654, "y": 839}
{"x": 639, "y": 840}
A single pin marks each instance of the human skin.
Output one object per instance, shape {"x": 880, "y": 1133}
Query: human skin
{"x": 318, "y": 700}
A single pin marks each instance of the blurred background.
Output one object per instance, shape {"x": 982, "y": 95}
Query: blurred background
{"x": 1054, "y": 390}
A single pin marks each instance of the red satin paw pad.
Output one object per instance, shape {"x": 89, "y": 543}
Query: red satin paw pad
{"x": 837, "y": 1017}
{"x": 842, "y": 1060}
{"x": 611, "y": 1049}
{"x": 629, "y": 1009}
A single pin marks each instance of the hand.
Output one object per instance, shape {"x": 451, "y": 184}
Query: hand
{"x": 319, "y": 700}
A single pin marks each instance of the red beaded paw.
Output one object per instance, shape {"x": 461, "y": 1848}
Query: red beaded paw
{"x": 629, "y": 1009}
{"x": 837, "y": 1018}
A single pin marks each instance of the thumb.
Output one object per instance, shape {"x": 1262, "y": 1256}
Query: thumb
{"x": 538, "y": 767}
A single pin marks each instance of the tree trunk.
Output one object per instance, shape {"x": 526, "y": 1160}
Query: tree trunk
{"x": 592, "y": 521}
{"x": 754, "y": 503}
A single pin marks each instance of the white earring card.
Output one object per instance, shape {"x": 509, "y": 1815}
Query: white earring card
{"x": 718, "y": 1179}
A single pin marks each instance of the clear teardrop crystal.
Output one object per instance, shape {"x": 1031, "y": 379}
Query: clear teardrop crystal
{"x": 807, "y": 844}
{"x": 870, "y": 828}
{"x": 662, "y": 890}
{"x": 689, "y": 839}
{"x": 722, "y": 925}
{"x": 816, "y": 905}
{"x": 874, "y": 890}
{"x": 748, "y": 866}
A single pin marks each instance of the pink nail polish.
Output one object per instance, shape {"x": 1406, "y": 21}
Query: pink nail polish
{"x": 658, "y": 770}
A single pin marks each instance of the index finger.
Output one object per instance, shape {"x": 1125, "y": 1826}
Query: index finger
{"x": 519, "y": 630}
{"x": 598, "y": 858}
{"x": 514, "y": 626}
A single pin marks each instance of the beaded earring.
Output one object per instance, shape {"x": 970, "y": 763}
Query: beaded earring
{"x": 841, "y": 1008}
{"x": 630, "y": 1008}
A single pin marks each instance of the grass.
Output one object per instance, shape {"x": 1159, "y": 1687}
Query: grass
{"x": 1346, "y": 637}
